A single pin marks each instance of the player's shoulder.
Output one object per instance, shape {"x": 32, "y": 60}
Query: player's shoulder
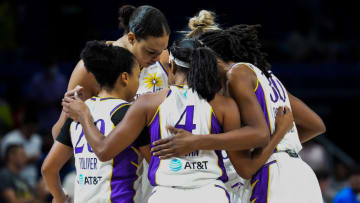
{"x": 153, "y": 98}
{"x": 240, "y": 70}
{"x": 223, "y": 103}
{"x": 242, "y": 76}
{"x": 222, "y": 106}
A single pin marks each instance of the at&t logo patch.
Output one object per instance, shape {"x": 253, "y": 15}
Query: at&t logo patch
{"x": 175, "y": 165}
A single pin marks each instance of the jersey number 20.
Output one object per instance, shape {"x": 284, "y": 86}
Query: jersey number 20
{"x": 79, "y": 149}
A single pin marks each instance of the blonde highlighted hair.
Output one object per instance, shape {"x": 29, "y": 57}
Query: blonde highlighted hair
{"x": 203, "y": 22}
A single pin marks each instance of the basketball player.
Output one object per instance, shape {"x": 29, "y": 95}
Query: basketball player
{"x": 185, "y": 107}
{"x": 116, "y": 71}
{"x": 147, "y": 38}
{"x": 284, "y": 177}
{"x": 157, "y": 76}
{"x": 153, "y": 78}
{"x": 205, "y": 21}
{"x": 146, "y": 34}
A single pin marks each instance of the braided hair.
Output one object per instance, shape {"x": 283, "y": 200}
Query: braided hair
{"x": 202, "y": 75}
{"x": 239, "y": 43}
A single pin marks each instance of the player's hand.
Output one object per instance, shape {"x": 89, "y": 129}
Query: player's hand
{"x": 75, "y": 108}
{"x": 180, "y": 144}
{"x": 77, "y": 91}
{"x": 284, "y": 120}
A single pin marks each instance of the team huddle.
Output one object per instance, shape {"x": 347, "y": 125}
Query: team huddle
{"x": 202, "y": 121}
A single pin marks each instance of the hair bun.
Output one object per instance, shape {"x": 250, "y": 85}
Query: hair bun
{"x": 203, "y": 19}
{"x": 125, "y": 13}
{"x": 203, "y": 22}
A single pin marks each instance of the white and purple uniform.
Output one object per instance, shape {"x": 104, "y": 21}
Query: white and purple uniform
{"x": 198, "y": 176}
{"x": 285, "y": 177}
{"x": 152, "y": 79}
{"x": 116, "y": 180}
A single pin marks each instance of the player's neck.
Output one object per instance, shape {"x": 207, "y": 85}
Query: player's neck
{"x": 115, "y": 93}
{"x": 180, "y": 79}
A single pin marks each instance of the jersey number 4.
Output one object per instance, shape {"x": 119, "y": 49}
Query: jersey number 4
{"x": 188, "y": 124}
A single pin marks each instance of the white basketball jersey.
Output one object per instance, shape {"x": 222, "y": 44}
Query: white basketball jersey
{"x": 272, "y": 94}
{"x": 110, "y": 181}
{"x": 184, "y": 109}
{"x": 152, "y": 79}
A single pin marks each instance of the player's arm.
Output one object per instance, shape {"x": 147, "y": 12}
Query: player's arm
{"x": 55, "y": 160}
{"x": 254, "y": 134}
{"x": 246, "y": 163}
{"x": 60, "y": 153}
{"x": 184, "y": 142}
{"x": 79, "y": 77}
{"x": 308, "y": 123}
{"x": 120, "y": 137}
{"x": 255, "y": 131}
{"x": 231, "y": 121}
{"x": 143, "y": 140}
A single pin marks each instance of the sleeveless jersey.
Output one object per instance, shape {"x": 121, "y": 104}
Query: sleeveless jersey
{"x": 271, "y": 94}
{"x": 152, "y": 79}
{"x": 115, "y": 180}
{"x": 183, "y": 108}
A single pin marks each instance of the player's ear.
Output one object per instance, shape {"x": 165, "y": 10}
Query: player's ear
{"x": 131, "y": 38}
{"x": 125, "y": 78}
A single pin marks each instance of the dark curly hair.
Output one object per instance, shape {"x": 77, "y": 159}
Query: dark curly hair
{"x": 202, "y": 76}
{"x": 106, "y": 62}
{"x": 239, "y": 43}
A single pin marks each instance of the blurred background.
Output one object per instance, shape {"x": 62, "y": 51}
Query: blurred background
{"x": 313, "y": 46}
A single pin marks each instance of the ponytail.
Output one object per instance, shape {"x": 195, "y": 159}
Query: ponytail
{"x": 203, "y": 76}
{"x": 124, "y": 16}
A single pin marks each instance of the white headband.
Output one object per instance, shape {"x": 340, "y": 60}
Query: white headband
{"x": 178, "y": 62}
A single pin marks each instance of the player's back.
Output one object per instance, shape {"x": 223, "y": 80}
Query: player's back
{"x": 112, "y": 180}
{"x": 271, "y": 182}
{"x": 271, "y": 94}
{"x": 184, "y": 109}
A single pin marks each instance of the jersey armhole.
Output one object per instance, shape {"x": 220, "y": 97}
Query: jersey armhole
{"x": 158, "y": 108}
{"x": 247, "y": 65}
